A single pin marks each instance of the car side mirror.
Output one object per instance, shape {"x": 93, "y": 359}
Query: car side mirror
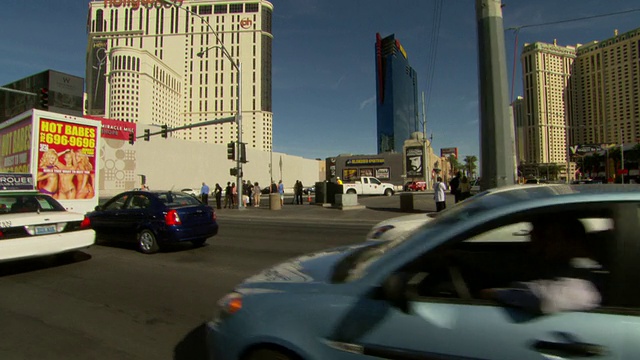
{"x": 394, "y": 290}
{"x": 98, "y": 208}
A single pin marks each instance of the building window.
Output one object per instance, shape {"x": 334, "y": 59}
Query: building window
{"x": 220, "y": 9}
{"x": 204, "y": 10}
{"x": 253, "y": 7}
{"x": 235, "y": 8}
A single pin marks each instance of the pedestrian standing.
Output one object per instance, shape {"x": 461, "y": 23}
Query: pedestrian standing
{"x": 217, "y": 192}
{"x": 298, "y": 189}
{"x": 465, "y": 187}
{"x": 439, "y": 194}
{"x": 247, "y": 191}
{"x": 454, "y": 185}
{"x": 204, "y": 193}
{"x": 227, "y": 196}
{"x": 281, "y": 192}
{"x": 256, "y": 195}
{"x": 234, "y": 195}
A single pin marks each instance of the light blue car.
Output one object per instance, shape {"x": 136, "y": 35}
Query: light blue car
{"x": 421, "y": 297}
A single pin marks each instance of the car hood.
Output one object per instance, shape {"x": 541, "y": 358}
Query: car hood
{"x": 316, "y": 268}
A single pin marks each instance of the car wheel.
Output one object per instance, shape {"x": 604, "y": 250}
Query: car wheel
{"x": 147, "y": 242}
{"x": 388, "y": 192}
{"x": 268, "y": 354}
{"x": 198, "y": 242}
{"x": 351, "y": 191}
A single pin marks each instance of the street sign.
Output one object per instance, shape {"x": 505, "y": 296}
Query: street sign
{"x": 584, "y": 149}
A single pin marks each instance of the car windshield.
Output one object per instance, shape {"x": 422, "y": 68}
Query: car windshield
{"x": 27, "y": 203}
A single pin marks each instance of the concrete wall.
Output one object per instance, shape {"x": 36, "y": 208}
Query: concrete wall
{"x": 174, "y": 163}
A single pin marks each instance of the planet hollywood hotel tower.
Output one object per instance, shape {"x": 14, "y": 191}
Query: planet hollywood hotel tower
{"x": 397, "y": 95}
{"x": 143, "y": 66}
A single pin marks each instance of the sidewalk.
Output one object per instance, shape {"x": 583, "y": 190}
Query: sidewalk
{"x": 373, "y": 210}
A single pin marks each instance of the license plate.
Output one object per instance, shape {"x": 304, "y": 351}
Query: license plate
{"x": 48, "y": 229}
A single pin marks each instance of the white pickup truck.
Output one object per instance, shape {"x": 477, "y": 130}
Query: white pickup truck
{"x": 368, "y": 185}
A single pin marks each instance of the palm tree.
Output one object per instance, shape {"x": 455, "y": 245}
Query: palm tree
{"x": 455, "y": 165}
{"x": 470, "y": 164}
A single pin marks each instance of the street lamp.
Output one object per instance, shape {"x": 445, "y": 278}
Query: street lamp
{"x": 238, "y": 66}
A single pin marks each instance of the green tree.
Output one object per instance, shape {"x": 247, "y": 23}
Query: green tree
{"x": 455, "y": 165}
{"x": 470, "y": 164}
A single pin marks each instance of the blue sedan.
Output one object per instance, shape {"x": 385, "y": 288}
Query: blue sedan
{"x": 426, "y": 296}
{"x": 153, "y": 218}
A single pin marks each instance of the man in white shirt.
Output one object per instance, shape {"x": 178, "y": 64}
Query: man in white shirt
{"x": 439, "y": 190}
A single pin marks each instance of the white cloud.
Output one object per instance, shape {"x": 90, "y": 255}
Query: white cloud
{"x": 367, "y": 102}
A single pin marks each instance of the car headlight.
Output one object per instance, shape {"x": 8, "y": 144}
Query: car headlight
{"x": 377, "y": 232}
{"x": 228, "y": 305}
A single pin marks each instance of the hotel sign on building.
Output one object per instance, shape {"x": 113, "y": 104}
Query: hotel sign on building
{"x": 136, "y": 4}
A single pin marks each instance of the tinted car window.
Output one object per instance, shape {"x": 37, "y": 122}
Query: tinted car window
{"x": 178, "y": 199}
{"x": 117, "y": 203}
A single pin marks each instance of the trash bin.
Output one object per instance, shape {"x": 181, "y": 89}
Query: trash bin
{"x": 321, "y": 192}
{"x": 274, "y": 201}
{"x": 406, "y": 202}
{"x": 332, "y": 190}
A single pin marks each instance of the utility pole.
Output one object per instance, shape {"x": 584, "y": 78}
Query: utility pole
{"x": 496, "y": 130}
{"x": 425, "y": 153}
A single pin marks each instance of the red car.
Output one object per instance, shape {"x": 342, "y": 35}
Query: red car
{"x": 416, "y": 186}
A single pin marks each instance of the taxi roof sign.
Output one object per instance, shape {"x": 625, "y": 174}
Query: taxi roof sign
{"x": 14, "y": 181}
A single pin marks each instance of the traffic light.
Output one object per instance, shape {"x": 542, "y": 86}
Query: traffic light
{"x": 132, "y": 138}
{"x": 231, "y": 151}
{"x": 242, "y": 152}
{"x": 146, "y": 134}
{"x": 44, "y": 98}
{"x": 164, "y": 131}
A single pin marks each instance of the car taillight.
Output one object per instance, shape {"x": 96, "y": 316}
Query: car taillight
{"x": 172, "y": 218}
{"x": 214, "y": 216}
{"x": 86, "y": 223}
{"x": 1, "y": 234}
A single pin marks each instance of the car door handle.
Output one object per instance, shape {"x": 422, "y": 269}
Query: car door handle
{"x": 570, "y": 348}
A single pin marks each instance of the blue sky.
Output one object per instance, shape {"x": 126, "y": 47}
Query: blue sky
{"x": 323, "y": 59}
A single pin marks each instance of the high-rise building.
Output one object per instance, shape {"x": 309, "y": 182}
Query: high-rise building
{"x": 607, "y": 91}
{"x": 397, "y": 95}
{"x": 546, "y": 70}
{"x": 163, "y": 64}
{"x": 517, "y": 110}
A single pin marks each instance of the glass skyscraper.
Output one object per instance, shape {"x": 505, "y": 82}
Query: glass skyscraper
{"x": 397, "y": 95}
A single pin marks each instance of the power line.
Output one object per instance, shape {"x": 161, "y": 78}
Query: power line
{"x": 433, "y": 47}
{"x": 574, "y": 19}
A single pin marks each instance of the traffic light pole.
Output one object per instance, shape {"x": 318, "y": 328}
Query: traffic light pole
{"x": 239, "y": 188}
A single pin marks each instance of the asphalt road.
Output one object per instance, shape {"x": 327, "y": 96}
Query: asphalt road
{"x": 112, "y": 302}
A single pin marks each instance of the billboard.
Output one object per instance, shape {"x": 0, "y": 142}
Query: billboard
{"x": 96, "y": 77}
{"x": 446, "y": 152}
{"x": 15, "y": 151}
{"x": 415, "y": 161}
{"x": 67, "y": 159}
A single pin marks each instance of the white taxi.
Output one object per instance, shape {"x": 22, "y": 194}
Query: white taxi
{"x": 34, "y": 224}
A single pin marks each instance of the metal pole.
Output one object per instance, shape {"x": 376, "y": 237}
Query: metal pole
{"x": 566, "y": 131}
{"x": 622, "y": 155}
{"x": 239, "y": 122}
{"x": 496, "y": 129}
{"x": 238, "y": 67}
